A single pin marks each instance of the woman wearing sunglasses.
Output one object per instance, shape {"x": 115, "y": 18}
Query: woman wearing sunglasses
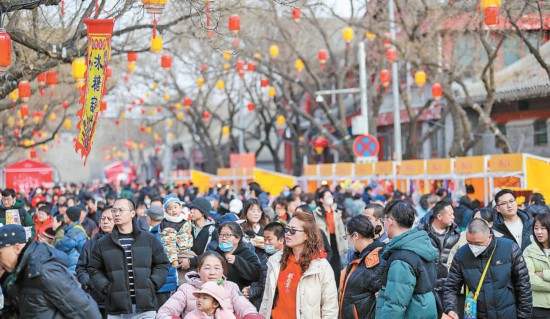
{"x": 300, "y": 281}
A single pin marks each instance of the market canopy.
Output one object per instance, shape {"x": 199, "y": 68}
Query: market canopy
{"x": 27, "y": 174}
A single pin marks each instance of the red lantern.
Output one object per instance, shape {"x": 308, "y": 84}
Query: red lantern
{"x": 117, "y": 122}
{"x": 206, "y": 115}
{"x": 437, "y": 91}
{"x": 16, "y": 132}
{"x": 141, "y": 101}
{"x": 296, "y": 14}
{"x": 385, "y": 78}
{"x": 203, "y": 67}
{"x": 24, "y": 110}
{"x": 33, "y": 152}
{"x": 24, "y": 88}
{"x": 264, "y": 82}
{"x": 157, "y": 149}
{"x": 235, "y": 24}
{"x": 108, "y": 72}
{"x": 65, "y": 105}
{"x": 142, "y": 111}
{"x": 187, "y": 102}
{"x": 240, "y": 65}
{"x": 323, "y": 56}
{"x": 166, "y": 61}
{"x": 142, "y": 129}
{"x": 51, "y": 78}
{"x": 387, "y": 42}
{"x": 103, "y": 105}
{"x": 41, "y": 79}
{"x": 250, "y": 67}
{"x": 320, "y": 144}
{"x": 492, "y": 17}
{"x": 132, "y": 56}
{"x": 391, "y": 55}
{"x": 159, "y": 109}
{"x": 5, "y": 50}
{"x": 251, "y": 106}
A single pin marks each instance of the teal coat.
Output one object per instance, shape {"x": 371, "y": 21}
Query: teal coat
{"x": 398, "y": 300}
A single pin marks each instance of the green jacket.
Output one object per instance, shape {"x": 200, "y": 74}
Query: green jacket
{"x": 537, "y": 261}
{"x": 25, "y": 217}
{"x": 398, "y": 300}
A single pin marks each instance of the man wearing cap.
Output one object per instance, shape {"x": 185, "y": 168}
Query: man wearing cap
{"x": 43, "y": 286}
{"x": 106, "y": 224}
{"x": 75, "y": 237}
{"x": 128, "y": 266}
{"x": 48, "y": 236}
{"x": 204, "y": 229}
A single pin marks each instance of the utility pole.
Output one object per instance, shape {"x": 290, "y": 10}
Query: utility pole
{"x": 398, "y": 154}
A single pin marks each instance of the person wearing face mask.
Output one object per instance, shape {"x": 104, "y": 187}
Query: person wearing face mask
{"x": 329, "y": 221}
{"x": 243, "y": 266}
{"x": 362, "y": 278}
{"x": 504, "y": 292}
{"x": 274, "y": 239}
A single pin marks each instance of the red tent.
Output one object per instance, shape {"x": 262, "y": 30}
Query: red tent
{"x": 27, "y": 174}
{"x": 119, "y": 172}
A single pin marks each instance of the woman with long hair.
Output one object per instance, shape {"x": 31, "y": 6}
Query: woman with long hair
{"x": 363, "y": 276}
{"x": 329, "y": 219}
{"x": 538, "y": 263}
{"x": 305, "y": 208}
{"x": 254, "y": 222}
{"x": 300, "y": 282}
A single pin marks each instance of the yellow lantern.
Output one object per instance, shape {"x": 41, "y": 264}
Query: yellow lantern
{"x": 347, "y": 34}
{"x": 490, "y": 3}
{"x": 131, "y": 66}
{"x": 147, "y": 95}
{"x": 178, "y": 106}
{"x": 370, "y": 36}
{"x": 225, "y": 130}
{"x": 36, "y": 119}
{"x": 281, "y": 120}
{"x": 271, "y": 91}
{"x": 123, "y": 116}
{"x": 45, "y": 107}
{"x": 200, "y": 82}
{"x": 170, "y": 136}
{"x": 299, "y": 65}
{"x": 226, "y": 66}
{"x": 141, "y": 145}
{"x": 257, "y": 56}
{"x": 220, "y": 85}
{"x": 155, "y": 136}
{"x": 20, "y": 123}
{"x": 169, "y": 123}
{"x": 180, "y": 116}
{"x": 151, "y": 112}
{"x": 167, "y": 97}
{"x": 148, "y": 130}
{"x": 14, "y": 95}
{"x": 156, "y": 44}
{"x": 154, "y": 86}
{"x": 67, "y": 124}
{"x": 420, "y": 78}
{"x": 11, "y": 121}
{"x": 78, "y": 70}
{"x": 227, "y": 55}
{"x": 274, "y": 51}
{"x": 53, "y": 117}
{"x": 28, "y": 143}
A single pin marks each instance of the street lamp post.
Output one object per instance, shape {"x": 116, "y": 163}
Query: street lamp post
{"x": 398, "y": 156}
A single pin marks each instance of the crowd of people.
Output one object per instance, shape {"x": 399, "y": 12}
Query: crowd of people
{"x": 163, "y": 251}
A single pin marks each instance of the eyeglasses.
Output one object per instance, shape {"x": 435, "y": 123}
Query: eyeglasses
{"x": 293, "y": 231}
{"x": 511, "y": 203}
{"x": 120, "y": 210}
{"x": 226, "y": 235}
{"x": 346, "y": 236}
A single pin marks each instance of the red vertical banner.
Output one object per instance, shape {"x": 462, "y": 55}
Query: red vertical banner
{"x": 99, "y": 34}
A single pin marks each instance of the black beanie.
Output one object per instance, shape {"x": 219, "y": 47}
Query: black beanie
{"x": 73, "y": 213}
{"x": 201, "y": 204}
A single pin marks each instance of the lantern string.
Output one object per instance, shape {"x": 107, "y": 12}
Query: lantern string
{"x": 62, "y": 7}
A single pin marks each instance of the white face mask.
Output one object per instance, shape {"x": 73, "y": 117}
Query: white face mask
{"x": 477, "y": 250}
{"x": 329, "y": 201}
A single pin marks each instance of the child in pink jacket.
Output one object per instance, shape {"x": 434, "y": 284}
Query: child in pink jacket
{"x": 210, "y": 302}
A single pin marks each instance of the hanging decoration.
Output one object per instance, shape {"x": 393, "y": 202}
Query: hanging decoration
{"x": 51, "y": 81}
{"x": 99, "y": 33}
{"x": 225, "y": 130}
{"x": 420, "y": 78}
{"x": 200, "y": 82}
{"x": 264, "y": 82}
{"x": 24, "y": 89}
{"x": 187, "y": 102}
{"x": 347, "y": 35}
{"x": 166, "y": 61}
{"x": 240, "y": 68}
{"x": 206, "y": 115}
{"x": 78, "y": 71}
{"x": 251, "y": 107}
{"x": 156, "y": 44}
{"x": 154, "y": 8}
{"x": 5, "y": 50}
{"x": 322, "y": 56}
{"x": 235, "y": 24}
{"x": 296, "y": 15}
{"x": 385, "y": 78}
{"x": 391, "y": 55}
{"x": 220, "y": 85}
{"x": 281, "y": 120}
{"x": 41, "y": 79}
{"x": 273, "y": 52}
{"x": 299, "y": 66}
{"x": 437, "y": 93}
{"x": 250, "y": 66}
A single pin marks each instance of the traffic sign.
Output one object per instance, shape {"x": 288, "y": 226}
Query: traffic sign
{"x": 366, "y": 145}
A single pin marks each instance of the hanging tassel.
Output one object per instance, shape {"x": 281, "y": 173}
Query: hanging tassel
{"x": 62, "y": 7}
{"x": 154, "y": 27}
{"x": 207, "y": 15}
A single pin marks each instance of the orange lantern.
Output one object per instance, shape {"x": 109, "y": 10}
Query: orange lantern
{"x": 187, "y": 102}
{"x": 51, "y": 78}
{"x": 41, "y": 79}
{"x": 132, "y": 57}
{"x": 206, "y": 115}
{"x": 166, "y": 61}
{"x": 250, "y": 67}
{"x": 24, "y": 110}
{"x": 251, "y": 106}
{"x": 391, "y": 55}
{"x": 5, "y": 50}
{"x": 103, "y": 105}
{"x": 65, "y": 105}
{"x": 204, "y": 66}
{"x": 437, "y": 91}
{"x": 117, "y": 122}
{"x": 385, "y": 78}
{"x": 296, "y": 14}
{"x": 264, "y": 82}
{"x": 492, "y": 16}
{"x": 323, "y": 56}
{"x": 386, "y": 42}
{"x": 24, "y": 88}
{"x": 234, "y": 24}
{"x": 142, "y": 129}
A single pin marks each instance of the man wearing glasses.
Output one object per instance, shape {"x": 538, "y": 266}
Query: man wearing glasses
{"x": 128, "y": 266}
{"x": 12, "y": 211}
{"x": 512, "y": 222}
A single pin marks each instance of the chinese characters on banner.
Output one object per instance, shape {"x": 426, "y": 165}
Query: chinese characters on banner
{"x": 99, "y": 49}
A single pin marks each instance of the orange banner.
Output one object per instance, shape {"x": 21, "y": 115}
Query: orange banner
{"x": 363, "y": 169}
{"x": 343, "y": 169}
{"x": 412, "y": 167}
{"x": 310, "y": 170}
{"x": 506, "y": 163}
{"x": 438, "y": 166}
{"x": 225, "y": 172}
{"x": 325, "y": 169}
{"x": 469, "y": 165}
{"x": 384, "y": 168}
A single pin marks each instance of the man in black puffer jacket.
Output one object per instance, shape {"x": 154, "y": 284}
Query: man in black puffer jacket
{"x": 505, "y": 292}
{"x": 444, "y": 233}
{"x": 106, "y": 225}
{"x": 42, "y": 286}
{"x": 128, "y": 266}
{"x": 511, "y": 222}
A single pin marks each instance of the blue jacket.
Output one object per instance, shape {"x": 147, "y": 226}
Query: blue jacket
{"x": 171, "y": 283}
{"x": 72, "y": 244}
{"x": 407, "y": 291}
